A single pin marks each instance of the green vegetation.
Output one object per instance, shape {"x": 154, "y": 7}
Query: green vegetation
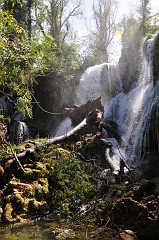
{"x": 26, "y": 54}
{"x": 71, "y": 182}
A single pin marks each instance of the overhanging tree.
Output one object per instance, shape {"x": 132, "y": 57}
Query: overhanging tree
{"x": 21, "y": 11}
{"x": 20, "y": 61}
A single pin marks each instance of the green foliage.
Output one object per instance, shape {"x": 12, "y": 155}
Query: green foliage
{"x": 21, "y": 60}
{"x": 72, "y": 185}
{"x": 3, "y": 154}
{"x": 69, "y": 60}
{"x": 152, "y": 24}
{"x": 60, "y": 60}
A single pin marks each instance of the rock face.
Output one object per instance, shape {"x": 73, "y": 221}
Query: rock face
{"x": 156, "y": 59}
{"x": 53, "y": 95}
{"x": 137, "y": 210}
{"x": 130, "y": 56}
{"x": 23, "y": 198}
{"x": 152, "y": 139}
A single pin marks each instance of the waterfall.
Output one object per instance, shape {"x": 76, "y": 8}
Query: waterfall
{"x": 130, "y": 110}
{"x": 97, "y": 82}
{"x": 18, "y": 132}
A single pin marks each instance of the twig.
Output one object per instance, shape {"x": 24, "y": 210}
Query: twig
{"x": 86, "y": 233}
{"x": 43, "y": 108}
{"x": 15, "y": 156}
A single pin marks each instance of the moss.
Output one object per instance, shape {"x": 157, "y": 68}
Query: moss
{"x": 8, "y": 214}
{"x": 29, "y": 175}
{"x": 36, "y": 207}
{"x": 17, "y": 202}
{"x": 41, "y": 189}
{"x": 33, "y": 174}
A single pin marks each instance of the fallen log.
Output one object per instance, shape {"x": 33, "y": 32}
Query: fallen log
{"x": 71, "y": 136}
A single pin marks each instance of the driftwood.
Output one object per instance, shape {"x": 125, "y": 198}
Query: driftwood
{"x": 78, "y": 113}
{"x": 114, "y": 168}
{"x": 71, "y": 136}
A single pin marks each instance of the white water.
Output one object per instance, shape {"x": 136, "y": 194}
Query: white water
{"x": 97, "y": 81}
{"x": 64, "y": 127}
{"x": 131, "y": 111}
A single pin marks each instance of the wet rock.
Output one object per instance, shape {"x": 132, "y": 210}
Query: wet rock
{"x": 3, "y": 177}
{"x": 7, "y": 216}
{"x": 127, "y": 235}
{"x": 139, "y": 210}
{"x": 63, "y": 234}
{"x": 148, "y": 169}
{"x": 141, "y": 189}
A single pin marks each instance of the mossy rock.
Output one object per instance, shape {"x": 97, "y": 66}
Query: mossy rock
{"x": 7, "y": 215}
{"x": 17, "y": 202}
{"x": 23, "y": 199}
{"x": 32, "y": 174}
{"x": 42, "y": 166}
{"x": 15, "y": 185}
{"x": 41, "y": 189}
{"x": 36, "y": 208}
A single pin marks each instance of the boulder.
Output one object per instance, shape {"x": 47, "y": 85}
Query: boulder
{"x": 127, "y": 235}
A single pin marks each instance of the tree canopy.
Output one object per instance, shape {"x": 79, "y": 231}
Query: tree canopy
{"x": 24, "y": 56}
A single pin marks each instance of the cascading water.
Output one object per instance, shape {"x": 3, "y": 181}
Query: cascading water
{"x": 131, "y": 111}
{"x": 18, "y": 132}
{"x": 97, "y": 81}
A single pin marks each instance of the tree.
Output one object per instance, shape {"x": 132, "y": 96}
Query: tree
{"x": 148, "y": 22}
{"x": 53, "y": 17}
{"x": 144, "y": 11}
{"x": 21, "y": 11}
{"x": 105, "y": 12}
{"x": 20, "y": 61}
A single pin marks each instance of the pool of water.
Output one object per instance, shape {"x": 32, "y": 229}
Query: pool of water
{"x": 45, "y": 230}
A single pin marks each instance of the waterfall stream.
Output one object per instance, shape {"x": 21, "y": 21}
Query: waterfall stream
{"x": 131, "y": 111}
